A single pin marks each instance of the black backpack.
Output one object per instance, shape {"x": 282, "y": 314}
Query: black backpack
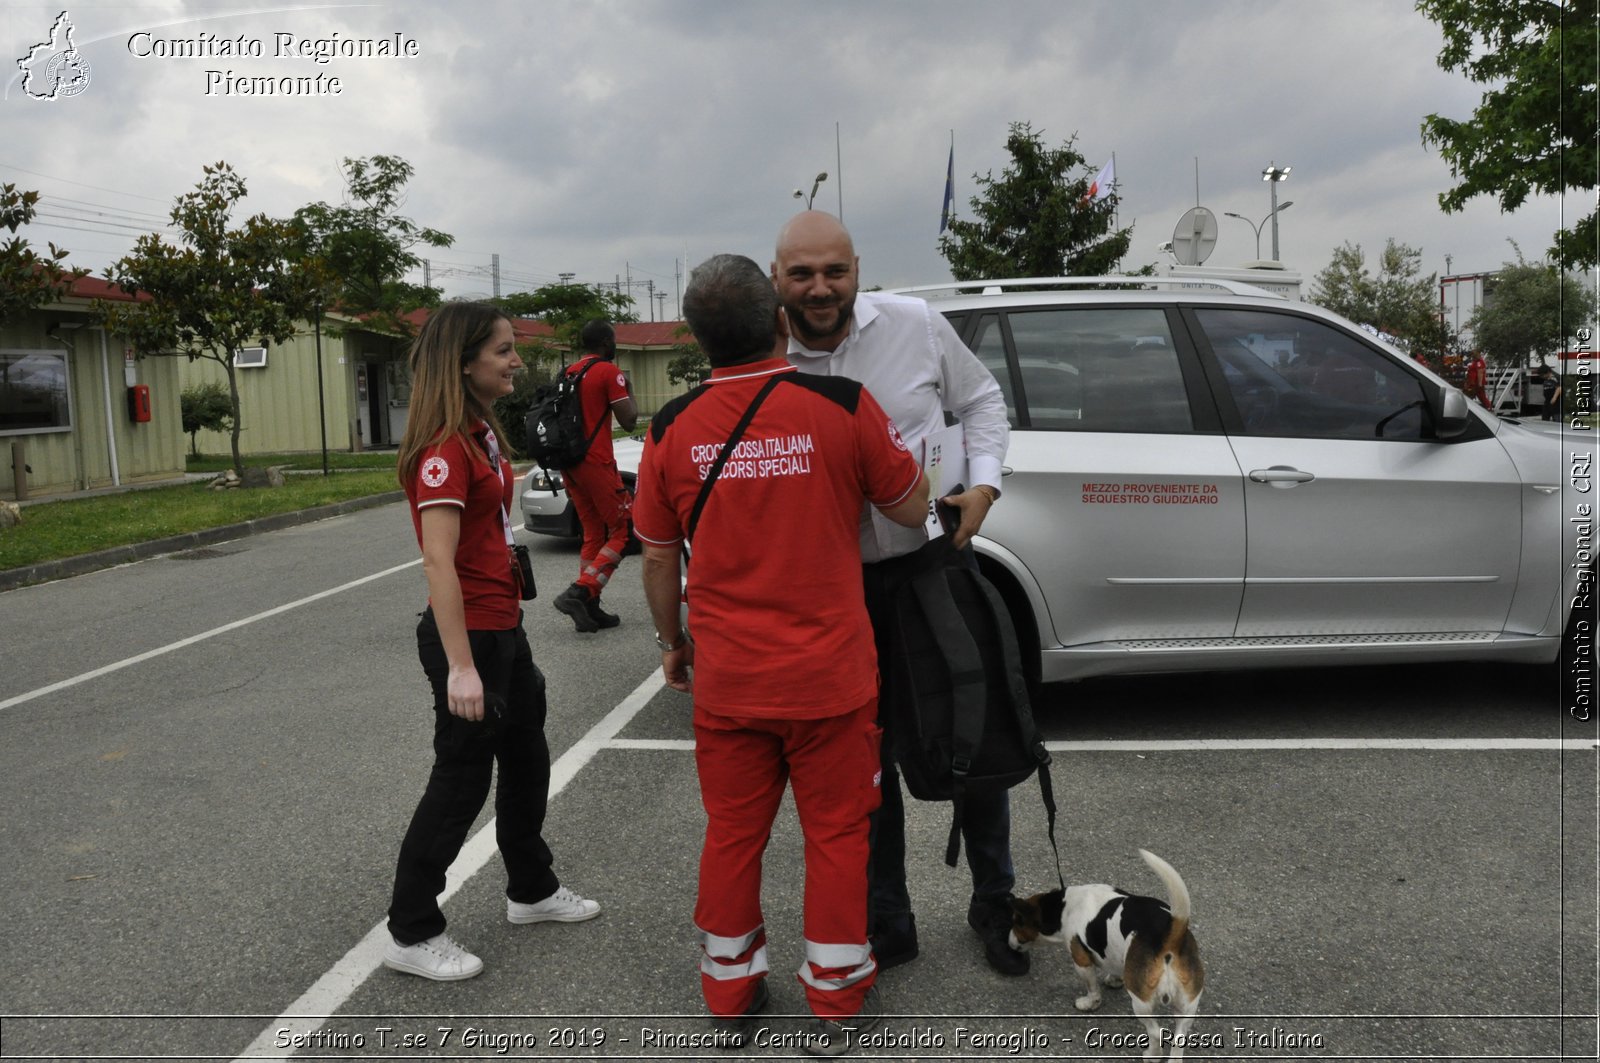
{"x": 962, "y": 722}
{"x": 554, "y": 425}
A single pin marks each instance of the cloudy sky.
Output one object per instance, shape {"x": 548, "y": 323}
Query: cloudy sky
{"x": 617, "y": 138}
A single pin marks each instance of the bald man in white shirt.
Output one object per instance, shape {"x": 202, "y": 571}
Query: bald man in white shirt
{"x": 916, "y": 367}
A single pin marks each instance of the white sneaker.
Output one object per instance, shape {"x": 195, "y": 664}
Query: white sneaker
{"x": 439, "y": 958}
{"x": 562, "y": 906}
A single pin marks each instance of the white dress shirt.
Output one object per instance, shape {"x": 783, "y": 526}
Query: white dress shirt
{"x": 915, "y": 365}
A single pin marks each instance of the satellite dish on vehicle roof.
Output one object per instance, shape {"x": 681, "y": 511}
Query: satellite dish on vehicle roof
{"x": 1194, "y": 237}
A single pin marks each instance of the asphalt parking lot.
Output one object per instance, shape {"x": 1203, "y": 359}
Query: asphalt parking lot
{"x": 209, "y": 760}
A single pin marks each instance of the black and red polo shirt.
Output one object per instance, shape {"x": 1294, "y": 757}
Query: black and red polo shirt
{"x": 775, "y": 597}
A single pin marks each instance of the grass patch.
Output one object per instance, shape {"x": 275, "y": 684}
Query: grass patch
{"x": 53, "y": 530}
{"x": 379, "y": 459}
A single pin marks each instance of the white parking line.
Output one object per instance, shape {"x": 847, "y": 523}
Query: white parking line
{"x": 311, "y": 1011}
{"x": 172, "y": 647}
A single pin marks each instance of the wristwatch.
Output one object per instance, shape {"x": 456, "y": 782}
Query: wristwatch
{"x": 676, "y": 644}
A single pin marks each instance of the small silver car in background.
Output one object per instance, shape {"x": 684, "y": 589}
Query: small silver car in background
{"x": 546, "y": 509}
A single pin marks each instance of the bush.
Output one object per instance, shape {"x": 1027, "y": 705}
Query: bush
{"x": 208, "y": 407}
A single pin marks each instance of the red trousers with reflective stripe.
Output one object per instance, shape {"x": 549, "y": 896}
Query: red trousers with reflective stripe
{"x": 603, "y": 506}
{"x": 744, "y": 764}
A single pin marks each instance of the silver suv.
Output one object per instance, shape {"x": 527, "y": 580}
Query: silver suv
{"x": 1203, "y": 475}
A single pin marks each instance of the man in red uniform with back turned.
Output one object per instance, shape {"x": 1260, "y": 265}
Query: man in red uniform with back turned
{"x": 1477, "y": 382}
{"x": 785, "y": 678}
{"x": 593, "y": 484}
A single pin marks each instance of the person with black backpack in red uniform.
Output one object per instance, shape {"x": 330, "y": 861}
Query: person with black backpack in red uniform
{"x": 593, "y": 484}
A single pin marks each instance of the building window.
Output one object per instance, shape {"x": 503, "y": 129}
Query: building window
{"x": 250, "y": 358}
{"x": 34, "y": 392}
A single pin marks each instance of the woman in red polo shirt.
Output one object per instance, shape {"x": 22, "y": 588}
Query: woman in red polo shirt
{"x": 488, "y": 695}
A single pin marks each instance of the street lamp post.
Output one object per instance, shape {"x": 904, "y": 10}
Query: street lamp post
{"x": 1272, "y": 175}
{"x": 1275, "y": 212}
{"x": 798, "y": 194}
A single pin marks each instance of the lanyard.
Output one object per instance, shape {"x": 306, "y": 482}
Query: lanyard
{"x": 493, "y": 446}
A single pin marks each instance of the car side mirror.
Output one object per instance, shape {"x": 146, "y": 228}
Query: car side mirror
{"x": 1450, "y": 413}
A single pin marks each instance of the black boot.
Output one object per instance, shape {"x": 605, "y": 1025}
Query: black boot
{"x": 574, "y": 601}
{"x": 600, "y": 616}
{"x": 991, "y": 918}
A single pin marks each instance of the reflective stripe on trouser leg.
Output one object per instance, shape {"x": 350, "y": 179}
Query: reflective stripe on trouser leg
{"x": 727, "y": 959}
{"x": 605, "y": 563}
{"x": 831, "y": 968}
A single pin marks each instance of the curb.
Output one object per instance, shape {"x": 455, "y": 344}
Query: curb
{"x": 45, "y": 571}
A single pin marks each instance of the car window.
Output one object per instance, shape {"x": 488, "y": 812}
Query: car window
{"x": 1294, "y": 376}
{"x": 1100, "y": 370}
{"x": 989, "y": 344}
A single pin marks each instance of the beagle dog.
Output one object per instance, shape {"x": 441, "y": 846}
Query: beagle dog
{"x": 1139, "y": 943}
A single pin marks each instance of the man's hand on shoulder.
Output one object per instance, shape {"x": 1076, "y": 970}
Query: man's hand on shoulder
{"x": 974, "y": 506}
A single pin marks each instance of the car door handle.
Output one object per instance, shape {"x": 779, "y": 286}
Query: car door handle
{"x": 1281, "y": 476}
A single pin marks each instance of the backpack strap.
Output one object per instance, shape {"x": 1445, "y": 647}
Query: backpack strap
{"x": 1018, "y": 688}
{"x": 727, "y": 451}
{"x": 965, "y": 664}
{"x": 577, "y": 380}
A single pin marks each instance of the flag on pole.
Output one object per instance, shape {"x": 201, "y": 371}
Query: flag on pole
{"x": 949, "y": 190}
{"x": 1102, "y": 185}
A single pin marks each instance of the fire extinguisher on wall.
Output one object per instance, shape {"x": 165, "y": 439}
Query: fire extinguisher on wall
{"x": 139, "y": 403}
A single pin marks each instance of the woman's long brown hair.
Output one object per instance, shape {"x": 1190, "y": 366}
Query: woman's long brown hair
{"x": 441, "y": 403}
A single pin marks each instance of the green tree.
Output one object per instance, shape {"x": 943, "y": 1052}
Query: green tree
{"x": 1345, "y": 286}
{"x": 1036, "y": 219}
{"x": 206, "y": 407}
{"x": 1397, "y": 300}
{"x": 368, "y": 246}
{"x": 1529, "y": 310}
{"x": 566, "y": 308}
{"x": 1535, "y": 129}
{"x": 689, "y": 363}
{"x": 28, "y": 279}
{"x": 217, "y": 291}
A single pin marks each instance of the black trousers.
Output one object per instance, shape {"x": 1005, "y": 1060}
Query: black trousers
{"x": 464, "y": 756}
